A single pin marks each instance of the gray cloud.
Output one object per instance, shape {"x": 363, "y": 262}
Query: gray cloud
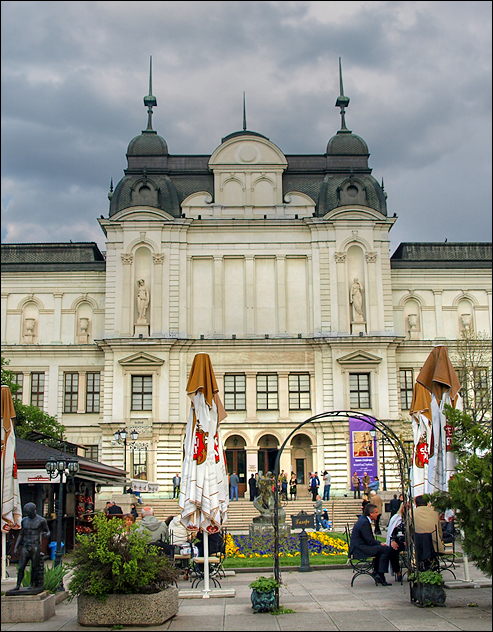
{"x": 74, "y": 75}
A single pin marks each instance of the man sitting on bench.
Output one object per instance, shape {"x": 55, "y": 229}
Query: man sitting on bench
{"x": 363, "y": 545}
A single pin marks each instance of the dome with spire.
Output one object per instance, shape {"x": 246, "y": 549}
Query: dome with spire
{"x": 345, "y": 143}
{"x": 149, "y": 143}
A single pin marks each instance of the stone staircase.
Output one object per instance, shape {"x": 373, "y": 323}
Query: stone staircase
{"x": 341, "y": 510}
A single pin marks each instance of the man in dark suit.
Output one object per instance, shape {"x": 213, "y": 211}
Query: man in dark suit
{"x": 114, "y": 510}
{"x": 363, "y": 544}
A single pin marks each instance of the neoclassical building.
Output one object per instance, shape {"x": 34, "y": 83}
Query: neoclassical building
{"x": 277, "y": 266}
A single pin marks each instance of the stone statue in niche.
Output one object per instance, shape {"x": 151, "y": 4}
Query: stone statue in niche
{"x": 356, "y": 301}
{"x": 466, "y": 322}
{"x": 29, "y": 324}
{"x": 83, "y": 328}
{"x": 33, "y": 528}
{"x": 142, "y": 301}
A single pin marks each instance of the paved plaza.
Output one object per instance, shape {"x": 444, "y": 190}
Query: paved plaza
{"x": 321, "y": 600}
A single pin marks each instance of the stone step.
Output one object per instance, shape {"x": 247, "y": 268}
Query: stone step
{"x": 241, "y": 513}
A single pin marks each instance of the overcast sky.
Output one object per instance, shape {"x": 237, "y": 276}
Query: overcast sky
{"x": 74, "y": 75}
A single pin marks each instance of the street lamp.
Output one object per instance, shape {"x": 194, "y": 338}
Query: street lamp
{"x": 121, "y": 436}
{"x": 58, "y": 467}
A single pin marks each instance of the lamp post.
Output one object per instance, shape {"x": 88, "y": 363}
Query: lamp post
{"x": 121, "y": 436}
{"x": 58, "y": 467}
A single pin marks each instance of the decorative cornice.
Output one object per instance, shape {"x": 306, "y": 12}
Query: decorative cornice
{"x": 127, "y": 259}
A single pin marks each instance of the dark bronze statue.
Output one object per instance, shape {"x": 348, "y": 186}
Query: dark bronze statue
{"x": 33, "y": 528}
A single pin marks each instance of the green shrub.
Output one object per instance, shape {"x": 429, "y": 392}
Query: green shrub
{"x": 427, "y": 577}
{"x": 113, "y": 560}
{"x": 264, "y": 584}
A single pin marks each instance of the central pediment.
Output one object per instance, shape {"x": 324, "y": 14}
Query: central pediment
{"x": 141, "y": 360}
{"x": 359, "y": 358}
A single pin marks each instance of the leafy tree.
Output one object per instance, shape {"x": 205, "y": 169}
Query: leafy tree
{"x": 31, "y": 419}
{"x": 470, "y": 488}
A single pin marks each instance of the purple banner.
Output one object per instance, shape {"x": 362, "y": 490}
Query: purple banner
{"x": 363, "y": 452}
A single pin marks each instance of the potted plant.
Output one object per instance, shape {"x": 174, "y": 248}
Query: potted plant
{"x": 264, "y": 594}
{"x": 427, "y": 588}
{"x": 119, "y": 579}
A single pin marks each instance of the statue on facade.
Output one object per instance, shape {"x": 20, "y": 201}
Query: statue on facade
{"x": 33, "y": 528}
{"x": 356, "y": 301}
{"x": 264, "y": 502}
{"x": 142, "y": 300}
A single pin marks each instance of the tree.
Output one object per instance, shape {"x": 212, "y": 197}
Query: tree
{"x": 472, "y": 361}
{"x": 470, "y": 488}
{"x": 30, "y": 419}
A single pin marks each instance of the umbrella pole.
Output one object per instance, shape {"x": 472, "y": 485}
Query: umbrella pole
{"x": 206, "y": 565}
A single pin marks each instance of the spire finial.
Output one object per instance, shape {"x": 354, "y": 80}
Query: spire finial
{"x": 244, "y": 113}
{"x": 150, "y": 101}
{"x": 342, "y": 101}
{"x": 110, "y": 194}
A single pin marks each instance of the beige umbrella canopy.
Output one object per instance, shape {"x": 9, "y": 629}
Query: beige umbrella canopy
{"x": 436, "y": 385}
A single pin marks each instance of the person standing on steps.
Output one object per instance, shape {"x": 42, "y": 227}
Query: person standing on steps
{"x": 327, "y": 481}
{"x": 356, "y": 485}
{"x": 252, "y": 485}
{"x": 234, "y": 481}
{"x": 176, "y": 485}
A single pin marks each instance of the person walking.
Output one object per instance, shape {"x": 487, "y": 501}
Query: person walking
{"x": 293, "y": 484}
{"x": 176, "y": 485}
{"x": 233, "y": 481}
{"x": 356, "y": 482}
{"x": 252, "y": 485}
{"x": 376, "y": 500}
{"x": 327, "y": 481}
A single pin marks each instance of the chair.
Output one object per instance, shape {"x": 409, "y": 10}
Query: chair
{"x": 216, "y": 559}
{"x": 359, "y": 566}
{"x": 447, "y": 558}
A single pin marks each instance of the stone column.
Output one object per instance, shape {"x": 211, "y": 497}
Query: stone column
{"x": 4, "y": 317}
{"x": 127, "y": 295}
{"x": 81, "y": 394}
{"x": 281, "y": 293}
{"x": 250, "y": 294}
{"x": 218, "y": 326}
{"x": 251, "y": 397}
{"x": 438, "y": 316}
{"x": 57, "y": 318}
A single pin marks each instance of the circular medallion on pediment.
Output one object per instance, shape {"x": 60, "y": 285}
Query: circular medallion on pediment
{"x": 248, "y": 153}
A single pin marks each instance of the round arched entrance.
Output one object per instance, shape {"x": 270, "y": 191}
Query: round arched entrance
{"x": 268, "y": 447}
{"x": 236, "y": 460}
{"x": 301, "y": 457}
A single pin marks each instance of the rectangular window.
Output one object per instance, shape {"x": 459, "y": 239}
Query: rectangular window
{"x": 407, "y": 385}
{"x": 92, "y": 452}
{"x": 139, "y": 464}
{"x": 141, "y": 392}
{"x": 475, "y": 390}
{"x": 71, "y": 392}
{"x": 267, "y": 392}
{"x": 359, "y": 390}
{"x": 92, "y": 392}
{"x": 299, "y": 391}
{"x": 18, "y": 378}
{"x": 235, "y": 392}
{"x": 37, "y": 389}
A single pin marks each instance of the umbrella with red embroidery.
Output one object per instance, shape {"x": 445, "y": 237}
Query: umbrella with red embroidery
{"x": 436, "y": 385}
{"x": 204, "y": 483}
{"x": 11, "y": 510}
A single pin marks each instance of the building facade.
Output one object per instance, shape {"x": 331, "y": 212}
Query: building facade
{"x": 277, "y": 266}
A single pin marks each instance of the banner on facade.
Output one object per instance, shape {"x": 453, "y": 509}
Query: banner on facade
{"x": 144, "y": 486}
{"x": 362, "y": 446}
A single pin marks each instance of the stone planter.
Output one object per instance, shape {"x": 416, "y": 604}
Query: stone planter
{"x": 136, "y": 610}
{"x": 428, "y": 594}
{"x": 263, "y": 601}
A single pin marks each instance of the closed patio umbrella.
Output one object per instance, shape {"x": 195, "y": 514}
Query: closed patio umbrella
{"x": 436, "y": 385}
{"x": 11, "y": 509}
{"x": 204, "y": 483}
